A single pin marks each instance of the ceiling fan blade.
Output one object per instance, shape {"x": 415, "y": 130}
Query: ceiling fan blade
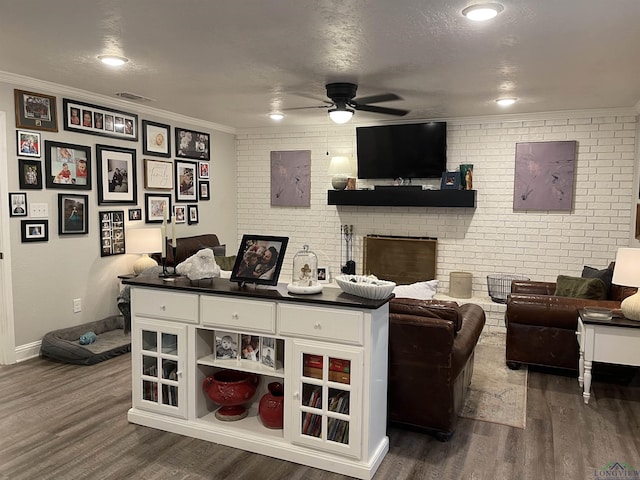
{"x": 305, "y": 108}
{"x": 384, "y": 97}
{"x": 387, "y": 111}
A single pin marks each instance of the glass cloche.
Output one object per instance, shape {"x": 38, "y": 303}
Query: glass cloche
{"x": 305, "y": 272}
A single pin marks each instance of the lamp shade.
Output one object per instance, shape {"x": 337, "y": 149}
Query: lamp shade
{"x": 627, "y": 274}
{"x": 144, "y": 240}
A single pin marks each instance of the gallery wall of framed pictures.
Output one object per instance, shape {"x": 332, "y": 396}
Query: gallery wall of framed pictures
{"x": 175, "y": 163}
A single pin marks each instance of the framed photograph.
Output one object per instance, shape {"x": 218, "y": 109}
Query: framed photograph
{"x": 30, "y": 174}
{"x": 112, "y": 233}
{"x": 35, "y": 111}
{"x": 67, "y": 165}
{"x": 156, "y": 139}
{"x": 450, "y": 181}
{"x": 180, "y": 213}
{"x": 17, "y": 204}
{"x": 192, "y": 212}
{"x": 268, "y": 352}
{"x": 186, "y": 174}
{"x": 34, "y": 230}
{"x": 158, "y": 174}
{"x": 250, "y": 347}
{"x": 323, "y": 275}
{"x": 135, "y": 214}
{"x": 259, "y": 259}
{"x": 96, "y": 120}
{"x": 73, "y": 214}
{"x": 28, "y": 144}
{"x": 203, "y": 170}
{"x": 191, "y": 144}
{"x": 203, "y": 190}
{"x": 226, "y": 345}
{"x": 155, "y": 204}
{"x": 116, "y": 175}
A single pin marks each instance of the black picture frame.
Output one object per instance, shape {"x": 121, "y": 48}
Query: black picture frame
{"x": 154, "y": 205}
{"x": 97, "y": 120}
{"x": 450, "y": 181}
{"x": 28, "y": 144}
{"x": 18, "y": 204}
{"x": 185, "y": 180}
{"x": 117, "y": 175}
{"x": 35, "y": 111}
{"x": 193, "y": 216}
{"x": 192, "y": 144}
{"x": 135, "y": 214}
{"x": 204, "y": 190}
{"x": 112, "y": 234}
{"x": 30, "y": 174}
{"x": 34, "y": 231}
{"x": 73, "y": 214}
{"x": 57, "y": 155}
{"x": 253, "y": 248}
{"x": 156, "y": 139}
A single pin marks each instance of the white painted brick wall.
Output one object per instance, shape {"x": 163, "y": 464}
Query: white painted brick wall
{"x": 490, "y": 239}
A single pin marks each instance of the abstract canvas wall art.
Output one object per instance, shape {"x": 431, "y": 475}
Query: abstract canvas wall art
{"x": 291, "y": 178}
{"x": 544, "y": 175}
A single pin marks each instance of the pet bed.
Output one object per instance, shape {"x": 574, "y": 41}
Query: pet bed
{"x": 64, "y": 345}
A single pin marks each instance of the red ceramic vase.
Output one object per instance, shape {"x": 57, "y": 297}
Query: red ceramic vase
{"x": 271, "y": 406}
{"x": 231, "y": 389}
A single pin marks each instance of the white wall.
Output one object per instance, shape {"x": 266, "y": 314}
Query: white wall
{"x": 489, "y": 239}
{"x": 48, "y": 276}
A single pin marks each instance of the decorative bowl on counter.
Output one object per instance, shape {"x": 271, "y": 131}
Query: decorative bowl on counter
{"x": 365, "y": 286}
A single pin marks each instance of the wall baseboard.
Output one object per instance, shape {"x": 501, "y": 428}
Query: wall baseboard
{"x": 28, "y": 351}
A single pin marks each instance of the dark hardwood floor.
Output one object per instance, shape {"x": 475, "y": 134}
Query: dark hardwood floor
{"x": 64, "y": 422}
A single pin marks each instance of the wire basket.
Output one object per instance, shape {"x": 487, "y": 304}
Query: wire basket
{"x": 499, "y": 285}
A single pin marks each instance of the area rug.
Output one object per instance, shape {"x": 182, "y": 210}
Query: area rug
{"x": 497, "y": 394}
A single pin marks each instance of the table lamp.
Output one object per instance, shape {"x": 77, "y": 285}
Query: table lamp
{"x": 340, "y": 169}
{"x": 144, "y": 241}
{"x": 627, "y": 274}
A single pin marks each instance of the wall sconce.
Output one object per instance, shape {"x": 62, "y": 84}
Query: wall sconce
{"x": 144, "y": 241}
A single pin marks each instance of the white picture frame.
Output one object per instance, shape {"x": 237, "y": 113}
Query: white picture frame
{"x": 323, "y": 274}
{"x": 158, "y": 174}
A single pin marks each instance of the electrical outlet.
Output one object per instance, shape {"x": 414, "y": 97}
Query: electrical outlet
{"x": 39, "y": 210}
{"x": 77, "y": 305}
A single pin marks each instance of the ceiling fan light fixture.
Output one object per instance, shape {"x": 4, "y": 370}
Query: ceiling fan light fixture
{"x": 341, "y": 115}
{"x": 481, "y": 12}
{"x": 113, "y": 60}
{"x": 276, "y": 116}
{"x": 506, "y": 102}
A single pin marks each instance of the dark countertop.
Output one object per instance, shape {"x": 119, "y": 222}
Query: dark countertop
{"x": 616, "y": 321}
{"x": 222, "y": 286}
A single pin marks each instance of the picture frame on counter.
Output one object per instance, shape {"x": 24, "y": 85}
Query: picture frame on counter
{"x": 156, "y": 139}
{"x": 28, "y": 143}
{"x": 67, "y": 165}
{"x": 116, "y": 175}
{"x": 73, "y": 214}
{"x": 30, "y": 174}
{"x": 35, "y": 111}
{"x": 97, "y": 120}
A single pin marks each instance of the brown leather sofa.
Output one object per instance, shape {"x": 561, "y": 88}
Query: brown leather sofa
{"x": 431, "y": 352}
{"x": 187, "y": 246}
{"x": 541, "y": 327}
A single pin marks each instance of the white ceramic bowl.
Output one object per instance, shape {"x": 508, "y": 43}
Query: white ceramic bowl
{"x": 365, "y": 287}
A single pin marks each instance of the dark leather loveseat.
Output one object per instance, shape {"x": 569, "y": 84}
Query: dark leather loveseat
{"x": 431, "y": 351}
{"x": 541, "y": 327}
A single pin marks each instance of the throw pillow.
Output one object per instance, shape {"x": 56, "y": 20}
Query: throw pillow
{"x": 578, "y": 287}
{"x": 226, "y": 263}
{"x": 418, "y": 290}
{"x": 220, "y": 250}
{"x": 606, "y": 275}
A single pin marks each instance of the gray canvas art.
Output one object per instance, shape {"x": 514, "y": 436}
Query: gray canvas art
{"x": 291, "y": 178}
{"x": 544, "y": 175}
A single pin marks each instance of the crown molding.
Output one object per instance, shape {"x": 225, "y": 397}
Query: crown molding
{"x": 83, "y": 95}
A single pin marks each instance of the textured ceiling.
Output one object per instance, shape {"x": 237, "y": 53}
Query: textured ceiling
{"x": 231, "y": 62}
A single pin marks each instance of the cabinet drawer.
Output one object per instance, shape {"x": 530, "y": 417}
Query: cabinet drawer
{"x": 234, "y": 314}
{"x": 344, "y": 326}
{"x": 166, "y": 305}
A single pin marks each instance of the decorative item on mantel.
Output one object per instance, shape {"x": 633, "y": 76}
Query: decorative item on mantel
{"x": 305, "y": 273}
{"x": 340, "y": 169}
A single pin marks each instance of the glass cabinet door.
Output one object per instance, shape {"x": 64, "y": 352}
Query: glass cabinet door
{"x": 327, "y": 395}
{"x": 159, "y": 350}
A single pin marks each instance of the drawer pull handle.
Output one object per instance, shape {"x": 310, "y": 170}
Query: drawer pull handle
{"x": 179, "y": 373}
{"x": 235, "y": 316}
{"x": 163, "y": 307}
{"x": 296, "y": 395}
{"x": 317, "y": 326}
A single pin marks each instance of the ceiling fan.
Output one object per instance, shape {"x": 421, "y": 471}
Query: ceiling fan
{"x": 343, "y": 104}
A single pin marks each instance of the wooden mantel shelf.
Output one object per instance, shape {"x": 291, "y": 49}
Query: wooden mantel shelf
{"x": 403, "y": 197}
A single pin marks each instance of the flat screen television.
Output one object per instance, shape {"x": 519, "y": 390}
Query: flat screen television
{"x": 415, "y": 150}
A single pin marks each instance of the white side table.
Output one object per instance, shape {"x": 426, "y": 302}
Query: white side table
{"x": 609, "y": 341}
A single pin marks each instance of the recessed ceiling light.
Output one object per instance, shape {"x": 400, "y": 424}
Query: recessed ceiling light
{"x": 505, "y": 102}
{"x": 277, "y": 116}
{"x": 112, "y": 60}
{"x": 480, "y": 12}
